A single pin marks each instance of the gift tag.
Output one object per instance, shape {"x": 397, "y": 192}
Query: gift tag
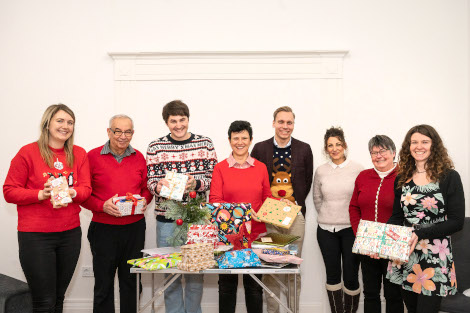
{"x": 287, "y": 209}
{"x": 266, "y": 239}
{"x": 286, "y": 221}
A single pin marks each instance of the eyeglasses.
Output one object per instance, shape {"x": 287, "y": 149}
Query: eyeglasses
{"x": 118, "y": 133}
{"x": 382, "y": 152}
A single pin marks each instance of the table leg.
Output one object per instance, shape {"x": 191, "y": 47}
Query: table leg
{"x": 289, "y": 291}
{"x": 270, "y": 293}
{"x": 295, "y": 294}
{"x": 153, "y": 292}
{"x": 137, "y": 294}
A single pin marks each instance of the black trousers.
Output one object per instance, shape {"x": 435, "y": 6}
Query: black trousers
{"x": 111, "y": 247}
{"x": 336, "y": 249}
{"x": 228, "y": 285}
{"x": 373, "y": 275}
{"x": 419, "y": 303}
{"x": 48, "y": 261}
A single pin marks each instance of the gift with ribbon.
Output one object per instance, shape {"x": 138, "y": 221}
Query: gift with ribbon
{"x": 130, "y": 204}
{"x": 177, "y": 184}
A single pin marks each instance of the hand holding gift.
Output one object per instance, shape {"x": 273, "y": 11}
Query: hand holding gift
{"x": 46, "y": 192}
{"x": 60, "y": 193}
{"x": 191, "y": 184}
{"x": 130, "y": 204}
{"x": 110, "y": 208}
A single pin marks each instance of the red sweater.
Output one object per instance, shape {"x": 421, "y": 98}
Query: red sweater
{"x": 362, "y": 205}
{"x": 108, "y": 177}
{"x": 26, "y": 178}
{"x": 241, "y": 185}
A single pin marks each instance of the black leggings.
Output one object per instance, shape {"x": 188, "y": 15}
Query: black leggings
{"x": 48, "y": 261}
{"x": 419, "y": 303}
{"x": 336, "y": 247}
{"x": 228, "y": 293}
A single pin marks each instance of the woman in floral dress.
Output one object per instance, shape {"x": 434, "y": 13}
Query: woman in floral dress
{"x": 428, "y": 197}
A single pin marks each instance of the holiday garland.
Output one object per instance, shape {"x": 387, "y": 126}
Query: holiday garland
{"x": 185, "y": 216}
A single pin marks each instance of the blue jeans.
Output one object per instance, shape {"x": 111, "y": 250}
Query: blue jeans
{"x": 174, "y": 302}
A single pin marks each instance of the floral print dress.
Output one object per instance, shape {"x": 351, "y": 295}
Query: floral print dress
{"x": 430, "y": 269}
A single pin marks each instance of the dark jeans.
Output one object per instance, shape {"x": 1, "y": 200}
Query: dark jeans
{"x": 48, "y": 261}
{"x": 228, "y": 293}
{"x": 419, "y": 303}
{"x": 111, "y": 247}
{"x": 336, "y": 248}
{"x": 373, "y": 275}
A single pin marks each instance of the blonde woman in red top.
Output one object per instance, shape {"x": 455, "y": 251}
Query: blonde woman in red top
{"x": 49, "y": 237}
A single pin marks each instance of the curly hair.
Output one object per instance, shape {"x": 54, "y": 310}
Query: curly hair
{"x": 438, "y": 163}
{"x": 334, "y": 132}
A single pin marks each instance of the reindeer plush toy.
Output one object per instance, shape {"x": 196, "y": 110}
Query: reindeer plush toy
{"x": 281, "y": 187}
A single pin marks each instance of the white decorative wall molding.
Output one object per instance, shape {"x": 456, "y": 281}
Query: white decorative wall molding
{"x": 233, "y": 65}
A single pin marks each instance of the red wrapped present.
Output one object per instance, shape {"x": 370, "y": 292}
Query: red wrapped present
{"x": 203, "y": 234}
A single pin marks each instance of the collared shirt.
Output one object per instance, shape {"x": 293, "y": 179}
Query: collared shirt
{"x": 383, "y": 174}
{"x": 233, "y": 163}
{"x": 107, "y": 150}
{"x": 288, "y": 144}
{"x": 335, "y": 166}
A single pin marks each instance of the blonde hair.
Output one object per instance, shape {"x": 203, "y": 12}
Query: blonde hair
{"x": 43, "y": 142}
{"x": 283, "y": 109}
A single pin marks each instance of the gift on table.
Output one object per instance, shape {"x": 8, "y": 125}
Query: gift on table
{"x": 203, "y": 234}
{"x": 388, "y": 241}
{"x": 129, "y": 204}
{"x": 229, "y": 217}
{"x": 278, "y": 213}
{"x": 239, "y": 259}
{"x": 157, "y": 262}
{"x": 197, "y": 257}
{"x": 177, "y": 184}
{"x": 60, "y": 191}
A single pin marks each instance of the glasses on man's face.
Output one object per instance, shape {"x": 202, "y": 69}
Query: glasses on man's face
{"x": 382, "y": 152}
{"x": 118, "y": 133}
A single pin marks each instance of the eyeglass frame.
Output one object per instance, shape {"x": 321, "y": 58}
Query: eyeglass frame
{"x": 127, "y": 133}
{"x": 376, "y": 154}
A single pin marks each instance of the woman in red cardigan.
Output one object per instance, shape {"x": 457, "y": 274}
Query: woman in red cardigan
{"x": 49, "y": 237}
{"x": 372, "y": 200}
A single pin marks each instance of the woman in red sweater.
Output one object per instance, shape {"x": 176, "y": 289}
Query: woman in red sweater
{"x": 241, "y": 178}
{"x": 49, "y": 237}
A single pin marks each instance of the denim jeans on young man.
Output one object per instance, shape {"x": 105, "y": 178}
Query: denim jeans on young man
{"x": 174, "y": 300}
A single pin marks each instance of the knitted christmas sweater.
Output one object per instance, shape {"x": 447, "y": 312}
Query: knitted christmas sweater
{"x": 108, "y": 178}
{"x": 27, "y": 175}
{"x": 195, "y": 156}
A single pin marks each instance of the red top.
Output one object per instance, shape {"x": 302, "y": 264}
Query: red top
{"x": 230, "y": 184}
{"x": 362, "y": 205}
{"x": 27, "y": 175}
{"x": 108, "y": 177}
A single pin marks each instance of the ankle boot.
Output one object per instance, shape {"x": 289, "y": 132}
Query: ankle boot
{"x": 351, "y": 300}
{"x": 335, "y": 296}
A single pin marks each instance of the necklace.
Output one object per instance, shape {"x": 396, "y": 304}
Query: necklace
{"x": 420, "y": 172}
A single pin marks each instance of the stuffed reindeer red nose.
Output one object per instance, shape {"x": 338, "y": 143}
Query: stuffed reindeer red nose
{"x": 281, "y": 193}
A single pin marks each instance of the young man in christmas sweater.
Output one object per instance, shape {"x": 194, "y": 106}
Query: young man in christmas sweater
{"x": 186, "y": 153}
{"x": 284, "y": 157}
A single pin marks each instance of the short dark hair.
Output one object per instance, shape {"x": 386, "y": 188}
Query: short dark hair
{"x": 239, "y": 126}
{"x": 382, "y": 141}
{"x": 175, "y": 107}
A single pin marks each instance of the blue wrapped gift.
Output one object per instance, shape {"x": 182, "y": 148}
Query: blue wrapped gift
{"x": 239, "y": 259}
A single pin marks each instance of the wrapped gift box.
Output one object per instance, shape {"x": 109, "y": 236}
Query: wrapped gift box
{"x": 177, "y": 184}
{"x": 275, "y": 251}
{"x": 130, "y": 204}
{"x": 203, "y": 234}
{"x": 278, "y": 213}
{"x": 197, "y": 257}
{"x": 239, "y": 259}
{"x": 229, "y": 217}
{"x": 60, "y": 191}
{"x": 158, "y": 262}
{"x": 388, "y": 241}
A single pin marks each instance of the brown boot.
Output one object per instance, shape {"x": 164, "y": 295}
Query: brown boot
{"x": 335, "y": 296}
{"x": 351, "y": 300}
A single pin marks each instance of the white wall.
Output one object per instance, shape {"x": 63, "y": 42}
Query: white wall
{"x": 408, "y": 63}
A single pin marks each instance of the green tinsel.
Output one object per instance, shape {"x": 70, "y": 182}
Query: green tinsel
{"x": 191, "y": 213}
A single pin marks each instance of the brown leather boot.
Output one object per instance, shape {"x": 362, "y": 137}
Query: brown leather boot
{"x": 335, "y": 296}
{"x": 351, "y": 300}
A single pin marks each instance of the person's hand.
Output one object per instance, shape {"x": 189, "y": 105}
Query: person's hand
{"x": 254, "y": 217}
{"x": 145, "y": 205}
{"x": 110, "y": 208}
{"x": 190, "y": 184}
{"x": 46, "y": 192}
{"x": 374, "y": 256}
{"x": 162, "y": 182}
{"x": 287, "y": 201}
{"x": 72, "y": 193}
{"x": 413, "y": 241}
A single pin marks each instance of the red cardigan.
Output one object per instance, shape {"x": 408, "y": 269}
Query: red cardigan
{"x": 249, "y": 185}
{"x": 26, "y": 177}
{"x": 108, "y": 177}
{"x": 362, "y": 205}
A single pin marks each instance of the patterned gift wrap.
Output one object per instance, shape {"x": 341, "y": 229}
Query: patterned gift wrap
{"x": 197, "y": 257}
{"x": 158, "y": 262}
{"x": 229, "y": 217}
{"x": 60, "y": 191}
{"x": 275, "y": 251}
{"x": 239, "y": 259}
{"x": 130, "y": 204}
{"x": 177, "y": 186}
{"x": 388, "y": 241}
{"x": 203, "y": 234}
{"x": 278, "y": 213}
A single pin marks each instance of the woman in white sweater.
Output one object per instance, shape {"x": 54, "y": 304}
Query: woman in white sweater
{"x": 333, "y": 186}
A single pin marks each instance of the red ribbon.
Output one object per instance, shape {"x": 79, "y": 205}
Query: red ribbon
{"x": 130, "y": 196}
